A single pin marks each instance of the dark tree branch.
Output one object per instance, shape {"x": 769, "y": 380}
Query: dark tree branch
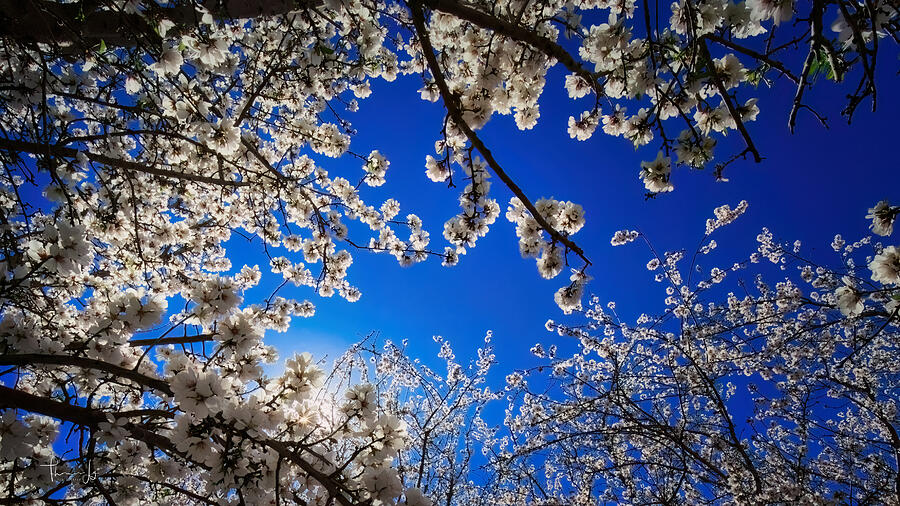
{"x": 451, "y": 102}
{"x": 735, "y": 115}
{"x": 516, "y": 32}
{"x": 775, "y": 64}
{"x": 85, "y": 24}
{"x": 56, "y": 150}
{"x": 200, "y": 338}
{"x": 17, "y": 399}
{"x": 33, "y": 359}
{"x": 86, "y": 417}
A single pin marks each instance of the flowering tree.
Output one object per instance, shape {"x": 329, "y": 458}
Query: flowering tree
{"x": 138, "y": 138}
{"x": 753, "y": 391}
{"x": 442, "y": 411}
{"x": 222, "y": 97}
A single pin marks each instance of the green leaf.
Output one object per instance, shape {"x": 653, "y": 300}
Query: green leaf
{"x": 821, "y": 65}
{"x": 757, "y": 76}
{"x": 102, "y": 46}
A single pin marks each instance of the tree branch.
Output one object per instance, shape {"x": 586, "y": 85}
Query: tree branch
{"x": 735, "y": 115}
{"x": 453, "y": 109}
{"x": 517, "y": 32}
{"x": 87, "y": 363}
{"x": 87, "y": 417}
{"x": 77, "y": 24}
{"x": 53, "y": 149}
{"x": 200, "y": 338}
{"x": 775, "y": 64}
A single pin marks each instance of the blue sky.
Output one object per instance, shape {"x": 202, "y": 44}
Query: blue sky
{"x": 811, "y": 185}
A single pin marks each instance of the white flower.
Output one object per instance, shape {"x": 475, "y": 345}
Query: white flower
{"x": 435, "y": 170}
{"x": 415, "y": 497}
{"x": 196, "y": 392}
{"x": 302, "y": 377}
{"x": 777, "y": 10}
{"x": 577, "y": 86}
{"x": 526, "y": 118}
{"x": 213, "y": 53}
{"x": 164, "y": 27}
{"x": 583, "y": 128}
{"x": 389, "y": 433}
{"x": 571, "y": 217}
{"x": 383, "y": 483}
{"x": 224, "y": 137}
{"x": 550, "y": 263}
{"x": 568, "y": 298}
{"x": 112, "y": 432}
{"x": 13, "y": 434}
{"x": 360, "y": 400}
{"x": 170, "y": 62}
{"x": 623, "y": 237}
{"x": 656, "y": 174}
{"x": 144, "y": 314}
{"x": 614, "y": 124}
{"x": 885, "y": 267}
{"x": 132, "y": 85}
{"x": 376, "y": 166}
{"x": 849, "y": 300}
{"x": 451, "y": 257}
{"x": 883, "y": 217}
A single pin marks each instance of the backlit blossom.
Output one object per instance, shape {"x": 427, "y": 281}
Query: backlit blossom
{"x": 885, "y": 266}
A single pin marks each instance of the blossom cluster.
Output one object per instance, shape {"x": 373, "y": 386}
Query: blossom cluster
{"x": 759, "y": 390}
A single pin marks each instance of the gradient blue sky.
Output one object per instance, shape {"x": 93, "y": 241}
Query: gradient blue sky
{"x": 811, "y": 185}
